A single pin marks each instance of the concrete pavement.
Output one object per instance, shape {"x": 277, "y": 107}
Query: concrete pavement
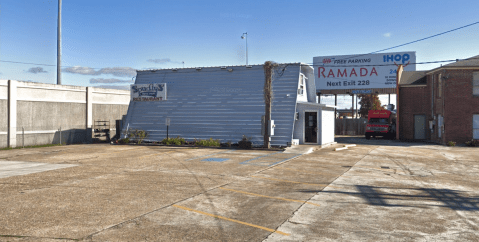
{"x": 374, "y": 191}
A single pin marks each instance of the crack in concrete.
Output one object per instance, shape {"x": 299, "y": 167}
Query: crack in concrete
{"x": 34, "y": 237}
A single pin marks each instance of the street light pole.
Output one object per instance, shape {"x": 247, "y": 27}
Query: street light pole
{"x": 245, "y": 36}
{"x": 59, "y": 44}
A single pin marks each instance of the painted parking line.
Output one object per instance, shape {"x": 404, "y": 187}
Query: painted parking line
{"x": 310, "y": 172}
{"x": 231, "y": 220}
{"x": 246, "y": 162}
{"x": 216, "y": 159}
{"x": 109, "y": 153}
{"x": 312, "y": 184}
{"x": 269, "y": 157}
{"x": 274, "y": 179}
{"x": 198, "y": 157}
{"x": 259, "y": 195}
{"x": 285, "y": 160}
{"x": 161, "y": 153}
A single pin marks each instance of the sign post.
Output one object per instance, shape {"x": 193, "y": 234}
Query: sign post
{"x": 167, "y": 122}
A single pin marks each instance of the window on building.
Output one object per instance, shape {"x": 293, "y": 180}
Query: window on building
{"x": 475, "y": 83}
{"x": 439, "y": 85}
{"x": 301, "y": 85}
{"x": 475, "y": 126}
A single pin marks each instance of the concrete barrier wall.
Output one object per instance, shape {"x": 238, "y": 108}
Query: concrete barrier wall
{"x": 3, "y": 112}
{"x": 3, "y": 122}
{"x": 48, "y": 114}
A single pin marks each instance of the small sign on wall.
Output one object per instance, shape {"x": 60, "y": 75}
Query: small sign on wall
{"x": 361, "y": 91}
{"x": 148, "y": 92}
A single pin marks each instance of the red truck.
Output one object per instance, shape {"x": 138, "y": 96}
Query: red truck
{"x": 381, "y": 123}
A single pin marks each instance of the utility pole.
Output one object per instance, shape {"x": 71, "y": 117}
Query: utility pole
{"x": 245, "y": 36}
{"x": 59, "y": 44}
{"x": 398, "y": 77}
{"x": 268, "y": 94}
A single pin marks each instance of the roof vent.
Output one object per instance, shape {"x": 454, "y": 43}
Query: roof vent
{"x": 249, "y": 66}
{"x": 198, "y": 68}
{"x": 223, "y": 67}
{"x": 230, "y": 70}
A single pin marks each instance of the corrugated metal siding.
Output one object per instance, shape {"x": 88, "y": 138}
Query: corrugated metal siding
{"x": 284, "y": 107}
{"x": 308, "y": 71}
{"x": 213, "y": 102}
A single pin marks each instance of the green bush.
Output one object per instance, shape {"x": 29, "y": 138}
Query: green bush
{"x": 173, "y": 141}
{"x": 451, "y": 143}
{"x": 245, "y": 143}
{"x": 139, "y": 135}
{"x": 473, "y": 143}
{"x": 124, "y": 141}
{"x": 208, "y": 142}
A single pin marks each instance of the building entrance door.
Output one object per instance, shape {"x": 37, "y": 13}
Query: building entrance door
{"x": 419, "y": 126}
{"x": 311, "y": 127}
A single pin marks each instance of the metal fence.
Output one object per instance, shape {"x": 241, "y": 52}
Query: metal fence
{"x": 350, "y": 126}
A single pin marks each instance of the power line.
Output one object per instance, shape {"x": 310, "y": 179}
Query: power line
{"x": 310, "y": 64}
{"x": 19, "y": 62}
{"x": 414, "y": 63}
{"x": 432, "y": 36}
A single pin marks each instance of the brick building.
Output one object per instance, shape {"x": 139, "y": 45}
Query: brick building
{"x": 441, "y": 104}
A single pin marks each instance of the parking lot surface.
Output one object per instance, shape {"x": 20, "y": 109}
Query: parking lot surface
{"x": 378, "y": 190}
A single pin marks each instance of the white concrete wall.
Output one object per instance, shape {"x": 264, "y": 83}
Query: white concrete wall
{"x": 3, "y": 112}
{"x": 35, "y": 112}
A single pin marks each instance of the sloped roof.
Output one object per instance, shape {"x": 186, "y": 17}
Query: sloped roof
{"x": 472, "y": 61}
{"x": 179, "y": 68}
{"x": 413, "y": 78}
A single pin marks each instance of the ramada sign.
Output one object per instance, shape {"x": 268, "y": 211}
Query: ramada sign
{"x": 361, "y": 71}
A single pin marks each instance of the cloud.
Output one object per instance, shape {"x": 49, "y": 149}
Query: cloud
{"x": 160, "y": 61}
{"x": 36, "y": 70}
{"x": 110, "y": 80}
{"x": 114, "y": 87}
{"x": 387, "y": 35}
{"x": 115, "y": 71}
{"x": 118, "y": 71}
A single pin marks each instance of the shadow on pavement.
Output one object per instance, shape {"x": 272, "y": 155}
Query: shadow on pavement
{"x": 382, "y": 141}
{"x": 453, "y": 199}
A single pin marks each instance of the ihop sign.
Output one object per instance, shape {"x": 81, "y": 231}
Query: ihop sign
{"x": 148, "y": 92}
{"x": 368, "y": 71}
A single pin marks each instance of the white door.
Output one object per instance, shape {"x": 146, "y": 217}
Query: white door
{"x": 475, "y": 126}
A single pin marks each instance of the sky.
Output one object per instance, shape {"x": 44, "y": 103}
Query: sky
{"x": 105, "y": 41}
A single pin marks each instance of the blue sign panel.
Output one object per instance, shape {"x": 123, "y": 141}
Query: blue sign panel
{"x": 361, "y": 91}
